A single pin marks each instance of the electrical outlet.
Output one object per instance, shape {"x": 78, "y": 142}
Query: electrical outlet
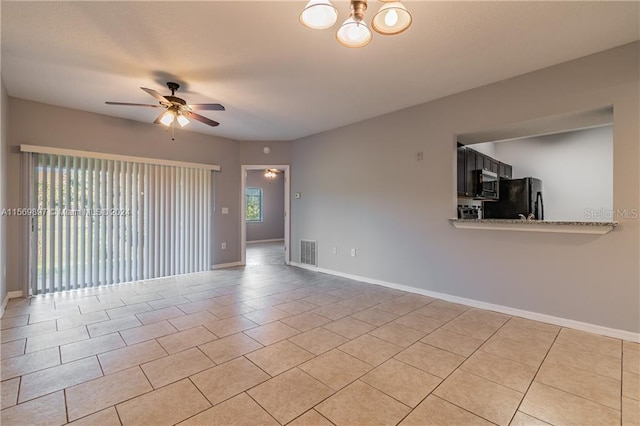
{"x": 419, "y": 156}
{"x": 223, "y": 246}
{"x": 334, "y": 250}
{"x": 225, "y": 210}
{"x": 353, "y": 252}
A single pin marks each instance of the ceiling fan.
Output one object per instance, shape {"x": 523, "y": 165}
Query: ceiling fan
{"x": 176, "y": 108}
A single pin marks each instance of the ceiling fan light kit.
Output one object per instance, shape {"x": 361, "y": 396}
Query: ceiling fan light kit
{"x": 271, "y": 173}
{"x": 392, "y": 18}
{"x": 167, "y": 118}
{"x": 176, "y": 108}
{"x": 182, "y": 120}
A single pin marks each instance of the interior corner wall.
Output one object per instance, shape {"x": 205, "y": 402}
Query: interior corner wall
{"x": 40, "y": 124}
{"x": 4, "y": 111}
{"x": 362, "y": 187}
{"x": 272, "y": 225}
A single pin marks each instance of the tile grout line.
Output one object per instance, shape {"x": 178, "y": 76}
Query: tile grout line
{"x": 100, "y": 363}
{"x": 382, "y": 391}
{"x": 507, "y": 359}
{"x": 66, "y": 407}
{"x": 337, "y": 348}
{"x": 454, "y": 370}
{"x": 536, "y": 375}
{"x": 347, "y": 316}
{"x": 259, "y": 405}
{"x": 578, "y": 396}
{"x": 203, "y": 395}
{"x": 314, "y": 410}
{"x": 563, "y": 345}
{"x": 234, "y": 395}
{"x": 215, "y": 364}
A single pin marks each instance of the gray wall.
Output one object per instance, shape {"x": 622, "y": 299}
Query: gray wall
{"x": 46, "y": 125}
{"x": 4, "y": 111}
{"x": 272, "y": 225}
{"x": 363, "y": 188}
{"x": 576, "y": 169}
{"x": 251, "y": 152}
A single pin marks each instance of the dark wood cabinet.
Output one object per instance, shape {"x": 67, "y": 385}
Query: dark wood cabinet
{"x": 479, "y": 161}
{"x": 505, "y": 171}
{"x": 494, "y": 165}
{"x": 469, "y": 162}
{"x": 487, "y": 162}
{"x": 470, "y": 172}
{"x": 461, "y": 168}
{"x": 466, "y": 167}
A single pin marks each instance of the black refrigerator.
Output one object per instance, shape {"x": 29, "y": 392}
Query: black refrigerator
{"x": 517, "y": 197}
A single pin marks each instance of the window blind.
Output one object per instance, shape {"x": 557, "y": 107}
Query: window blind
{"x": 105, "y": 221}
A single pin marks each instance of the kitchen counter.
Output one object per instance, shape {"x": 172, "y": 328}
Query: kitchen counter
{"x": 569, "y": 227}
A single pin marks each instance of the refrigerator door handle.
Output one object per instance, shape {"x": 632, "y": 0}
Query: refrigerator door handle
{"x": 540, "y": 204}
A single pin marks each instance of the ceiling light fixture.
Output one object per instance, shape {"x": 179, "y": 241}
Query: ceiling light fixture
{"x": 182, "y": 120}
{"x": 168, "y": 117}
{"x": 392, "y": 18}
{"x": 271, "y": 173}
{"x": 319, "y": 14}
{"x": 173, "y": 114}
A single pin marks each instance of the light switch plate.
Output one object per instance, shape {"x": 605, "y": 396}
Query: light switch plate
{"x": 225, "y": 210}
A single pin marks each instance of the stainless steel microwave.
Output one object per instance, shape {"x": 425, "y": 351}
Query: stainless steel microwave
{"x": 487, "y": 185}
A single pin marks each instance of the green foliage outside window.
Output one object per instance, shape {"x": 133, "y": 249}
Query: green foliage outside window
{"x": 253, "y": 197}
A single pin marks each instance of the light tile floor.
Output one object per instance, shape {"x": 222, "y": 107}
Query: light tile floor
{"x": 269, "y": 344}
{"x": 270, "y": 253}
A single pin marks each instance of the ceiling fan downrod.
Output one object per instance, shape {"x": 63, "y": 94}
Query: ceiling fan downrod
{"x": 173, "y": 87}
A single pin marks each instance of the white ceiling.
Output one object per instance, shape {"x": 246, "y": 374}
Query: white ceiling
{"x": 278, "y": 79}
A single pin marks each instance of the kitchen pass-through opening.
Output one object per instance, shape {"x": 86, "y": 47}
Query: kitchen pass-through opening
{"x": 556, "y": 168}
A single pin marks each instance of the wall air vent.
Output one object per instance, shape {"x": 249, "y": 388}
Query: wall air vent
{"x": 308, "y": 252}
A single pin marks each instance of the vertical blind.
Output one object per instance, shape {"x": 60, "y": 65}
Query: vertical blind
{"x": 103, "y": 221}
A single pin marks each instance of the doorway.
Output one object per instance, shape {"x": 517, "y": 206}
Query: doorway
{"x": 259, "y": 216}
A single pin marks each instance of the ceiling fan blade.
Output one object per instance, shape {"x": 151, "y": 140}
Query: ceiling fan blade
{"x": 207, "y": 107}
{"x": 202, "y": 119}
{"x": 156, "y": 95}
{"x": 157, "y": 120}
{"x": 128, "y": 104}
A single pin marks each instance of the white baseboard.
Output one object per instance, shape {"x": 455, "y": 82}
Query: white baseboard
{"x": 266, "y": 241}
{"x": 563, "y": 322}
{"x": 10, "y": 295}
{"x": 226, "y": 265}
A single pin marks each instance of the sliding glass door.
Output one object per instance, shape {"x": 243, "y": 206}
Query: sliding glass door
{"x": 101, "y": 221}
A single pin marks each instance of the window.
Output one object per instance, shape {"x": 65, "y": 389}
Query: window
{"x": 253, "y": 201}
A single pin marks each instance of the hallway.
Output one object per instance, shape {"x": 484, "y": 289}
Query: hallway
{"x": 271, "y": 253}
